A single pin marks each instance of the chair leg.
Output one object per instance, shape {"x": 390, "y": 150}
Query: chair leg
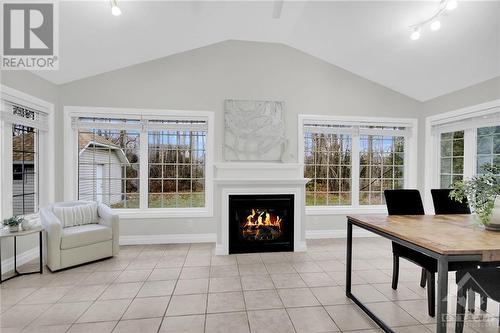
{"x": 471, "y": 300}
{"x": 484, "y": 302}
{"x": 395, "y": 271}
{"x": 431, "y": 293}
{"x": 423, "y": 278}
{"x": 461, "y": 302}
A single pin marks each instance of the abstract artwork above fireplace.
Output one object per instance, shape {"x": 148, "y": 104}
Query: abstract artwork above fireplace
{"x": 254, "y": 130}
{"x": 261, "y": 223}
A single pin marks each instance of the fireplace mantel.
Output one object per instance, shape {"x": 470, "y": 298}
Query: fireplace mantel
{"x": 259, "y": 178}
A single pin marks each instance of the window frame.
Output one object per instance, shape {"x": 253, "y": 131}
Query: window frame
{"x": 449, "y": 122}
{"x": 71, "y": 164}
{"x": 410, "y": 157}
{"x": 46, "y": 143}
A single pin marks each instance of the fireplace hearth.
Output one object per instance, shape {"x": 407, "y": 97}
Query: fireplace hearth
{"x": 261, "y": 223}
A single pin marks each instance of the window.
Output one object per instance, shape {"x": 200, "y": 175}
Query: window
{"x": 140, "y": 162}
{"x": 488, "y": 147}
{"x": 452, "y": 158}
{"x": 350, "y": 162}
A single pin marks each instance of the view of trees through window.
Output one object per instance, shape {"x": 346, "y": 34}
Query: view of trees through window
{"x": 488, "y": 147}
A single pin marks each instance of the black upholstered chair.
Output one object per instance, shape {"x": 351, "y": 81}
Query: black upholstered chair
{"x": 443, "y": 204}
{"x": 409, "y": 202}
{"x": 483, "y": 281}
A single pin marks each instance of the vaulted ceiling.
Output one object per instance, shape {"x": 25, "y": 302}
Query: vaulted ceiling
{"x": 368, "y": 38}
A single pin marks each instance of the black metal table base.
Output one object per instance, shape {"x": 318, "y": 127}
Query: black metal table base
{"x": 16, "y": 272}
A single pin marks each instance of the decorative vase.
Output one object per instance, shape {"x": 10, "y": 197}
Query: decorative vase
{"x": 14, "y": 228}
{"x": 495, "y": 217}
{"x": 26, "y": 225}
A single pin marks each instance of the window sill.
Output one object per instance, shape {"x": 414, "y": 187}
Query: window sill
{"x": 159, "y": 213}
{"x": 344, "y": 210}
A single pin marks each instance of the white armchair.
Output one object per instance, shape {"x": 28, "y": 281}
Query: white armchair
{"x": 69, "y": 242}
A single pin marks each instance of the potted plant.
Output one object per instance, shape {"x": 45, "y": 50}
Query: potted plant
{"x": 13, "y": 223}
{"x": 483, "y": 193}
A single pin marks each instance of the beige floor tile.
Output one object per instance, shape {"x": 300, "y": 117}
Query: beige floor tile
{"x": 311, "y": 320}
{"x": 101, "y": 327}
{"x": 224, "y": 260}
{"x": 121, "y": 290}
{"x": 183, "y": 324}
{"x": 160, "y": 274}
{"x": 280, "y": 268}
{"x": 332, "y": 265}
{"x": 224, "y": 271}
{"x": 248, "y": 259}
{"x": 320, "y": 279}
{"x": 157, "y": 288}
{"x": 350, "y": 317}
{"x": 339, "y": 277}
{"x": 45, "y": 295}
{"x": 418, "y": 310}
{"x": 191, "y": 286}
{"x": 257, "y": 282}
{"x": 149, "y": 325}
{"x": 171, "y": 261}
{"x": 187, "y": 305}
{"x": 367, "y": 293}
{"x": 148, "y": 307}
{"x": 273, "y": 257}
{"x": 252, "y": 269}
{"x": 330, "y": 295}
{"x": 62, "y": 313}
{"x": 297, "y": 297}
{"x": 21, "y": 315}
{"x": 307, "y": 267}
{"x": 133, "y": 276}
{"x": 375, "y": 276}
{"x": 12, "y": 296}
{"x": 143, "y": 264}
{"x": 392, "y": 314}
{"x": 225, "y": 302}
{"x": 270, "y": 321}
{"x": 262, "y": 299}
{"x": 195, "y": 272}
{"x": 234, "y": 322}
{"x": 401, "y": 294}
{"x": 46, "y": 329}
{"x": 415, "y": 329}
{"x": 287, "y": 281}
{"x": 83, "y": 293}
{"x": 224, "y": 284}
{"x": 100, "y": 278}
{"x": 197, "y": 260}
{"x": 105, "y": 311}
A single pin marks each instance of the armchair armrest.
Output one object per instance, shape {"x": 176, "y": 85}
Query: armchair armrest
{"x": 112, "y": 220}
{"x": 52, "y": 229}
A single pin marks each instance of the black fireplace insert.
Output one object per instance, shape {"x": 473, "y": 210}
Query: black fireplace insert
{"x": 260, "y": 223}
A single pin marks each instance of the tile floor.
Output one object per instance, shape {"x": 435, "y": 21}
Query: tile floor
{"x": 185, "y": 288}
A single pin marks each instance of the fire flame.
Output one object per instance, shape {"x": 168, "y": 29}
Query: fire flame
{"x": 262, "y": 219}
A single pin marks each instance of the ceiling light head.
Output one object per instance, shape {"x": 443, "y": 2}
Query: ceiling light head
{"x": 435, "y": 25}
{"x": 115, "y": 10}
{"x": 451, "y": 4}
{"x": 415, "y": 33}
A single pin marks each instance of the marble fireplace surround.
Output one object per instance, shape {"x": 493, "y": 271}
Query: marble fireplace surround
{"x": 240, "y": 178}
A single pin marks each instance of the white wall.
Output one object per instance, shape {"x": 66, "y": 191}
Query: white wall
{"x": 203, "y": 78}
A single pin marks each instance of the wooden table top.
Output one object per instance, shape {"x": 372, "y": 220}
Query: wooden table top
{"x": 444, "y": 234}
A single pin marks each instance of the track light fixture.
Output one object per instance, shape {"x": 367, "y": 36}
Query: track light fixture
{"x": 115, "y": 10}
{"x": 433, "y": 22}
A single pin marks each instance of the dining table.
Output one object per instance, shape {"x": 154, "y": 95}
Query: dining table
{"x": 446, "y": 238}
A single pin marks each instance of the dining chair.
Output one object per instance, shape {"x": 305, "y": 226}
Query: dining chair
{"x": 443, "y": 204}
{"x": 483, "y": 281}
{"x": 409, "y": 202}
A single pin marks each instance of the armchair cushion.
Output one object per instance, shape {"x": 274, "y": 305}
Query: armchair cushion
{"x": 85, "y": 235}
{"x": 76, "y": 214}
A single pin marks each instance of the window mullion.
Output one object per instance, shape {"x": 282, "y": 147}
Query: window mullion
{"x": 143, "y": 170}
{"x": 355, "y": 171}
{"x": 470, "y": 148}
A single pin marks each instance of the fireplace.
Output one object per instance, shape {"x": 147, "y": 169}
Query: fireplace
{"x": 261, "y": 223}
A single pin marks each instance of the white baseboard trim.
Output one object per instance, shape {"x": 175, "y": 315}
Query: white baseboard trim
{"x": 22, "y": 258}
{"x": 340, "y": 233}
{"x": 168, "y": 239}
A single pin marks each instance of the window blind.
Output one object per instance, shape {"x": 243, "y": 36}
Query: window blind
{"x": 490, "y": 117}
{"x": 357, "y": 129}
{"x": 140, "y": 123}
{"x": 18, "y": 114}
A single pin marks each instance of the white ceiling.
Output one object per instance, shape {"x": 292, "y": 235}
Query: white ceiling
{"x": 369, "y": 38}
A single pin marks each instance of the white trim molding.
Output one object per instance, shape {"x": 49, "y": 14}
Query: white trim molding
{"x": 71, "y": 153}
{"x": 432, "y": 141}
{"x": 167, "y": 239}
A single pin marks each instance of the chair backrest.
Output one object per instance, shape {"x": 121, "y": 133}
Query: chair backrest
{"x": 404, "y": 202}
{"x": 443, "y": 204}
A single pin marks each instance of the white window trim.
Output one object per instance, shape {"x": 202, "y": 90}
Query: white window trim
{"x": 411, "y": 151}
{"x": 46, "y": 162}
{"x": 71, "y": 159}
{"x": 432, "y": 144}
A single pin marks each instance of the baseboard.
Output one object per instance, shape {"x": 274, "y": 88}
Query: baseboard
{"x": 337, "y": 233}
{"x": 22, "y": 258}
{"x": 168, "y": 239}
